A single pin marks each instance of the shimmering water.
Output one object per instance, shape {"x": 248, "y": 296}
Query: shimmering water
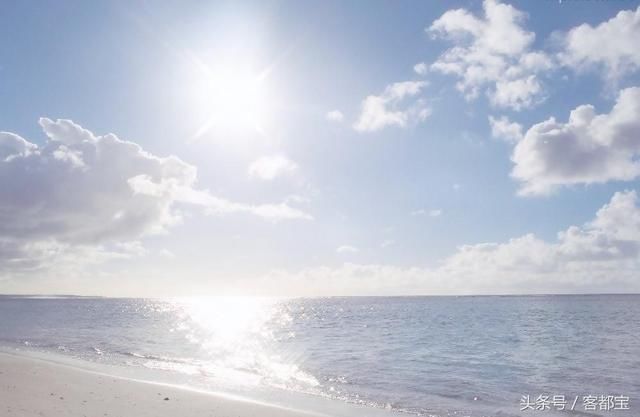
{"x": 440, "y": 356}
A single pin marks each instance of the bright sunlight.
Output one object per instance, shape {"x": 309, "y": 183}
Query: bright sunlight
{"x": 234, "y": 101}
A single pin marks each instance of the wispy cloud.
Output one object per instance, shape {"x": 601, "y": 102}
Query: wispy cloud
{"x": 421, "y": 68}
{"x": 387, "y": 243}
{"x": 335, "y": 116}
{"x": 430, "y": 213}
{"x": 270, "y": 167}
{"x": 346, "y": 249}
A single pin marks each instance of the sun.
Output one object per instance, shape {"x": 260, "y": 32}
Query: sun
{"x": 233, "y": 102}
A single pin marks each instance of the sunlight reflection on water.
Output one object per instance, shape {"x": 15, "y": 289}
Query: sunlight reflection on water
{"x": 444, "y": 356}
{"x": 237, "y": 335}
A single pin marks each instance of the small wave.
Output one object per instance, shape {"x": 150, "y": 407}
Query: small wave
{"x": 135, "y": 355}
{"x": 173, "y": 367}
{"x": 158, "y": 358}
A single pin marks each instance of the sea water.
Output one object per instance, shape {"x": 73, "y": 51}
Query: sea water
{"x": 435, "y": 356}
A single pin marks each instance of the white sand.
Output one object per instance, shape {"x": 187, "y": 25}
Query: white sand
{"x": 33, "y": 387}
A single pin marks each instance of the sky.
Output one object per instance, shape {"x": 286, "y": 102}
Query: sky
{"x": 320, "y": 148}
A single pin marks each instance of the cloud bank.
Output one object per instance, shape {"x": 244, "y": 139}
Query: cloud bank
{"x": 601, "y": 255}
{"x": 84, "y": 197}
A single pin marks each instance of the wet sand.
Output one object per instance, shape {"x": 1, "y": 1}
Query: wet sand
{"x": 33, "y": 387}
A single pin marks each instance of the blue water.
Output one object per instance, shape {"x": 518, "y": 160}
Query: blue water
{"x": 437, "y": 356}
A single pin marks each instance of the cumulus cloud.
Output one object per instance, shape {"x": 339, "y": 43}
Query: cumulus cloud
{"x": 84, "y": 196}
{"x": 335, "y": 116}
{"x": 601, "y": 255}
{"x": 492, "y": 54}
{"x": 589, "y": 148}
{"x": 611, "y": 45}
{"x": 398, "y": 105}
{"x": 270, "y": 167}
{"x": 503, "y": 128}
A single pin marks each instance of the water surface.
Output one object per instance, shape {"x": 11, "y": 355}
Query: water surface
{"x": 439, "y": 356}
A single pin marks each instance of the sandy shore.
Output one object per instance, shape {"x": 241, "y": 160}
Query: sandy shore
{"x": 33, "y": 387}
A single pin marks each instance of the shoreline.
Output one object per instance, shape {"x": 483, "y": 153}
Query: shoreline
{"x": 36, "y": 387}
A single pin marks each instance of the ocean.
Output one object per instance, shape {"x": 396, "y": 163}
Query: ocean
{"x": 427, "y": 356}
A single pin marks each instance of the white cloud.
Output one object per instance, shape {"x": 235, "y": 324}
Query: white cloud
{"x": 430, "y": 213}
{"x": 274, "y": 212}
{"x": 517, "y": 94}
{"x": 492, "y": 53}
{"x": 601, "y": 255}
{"x": 589, "y": 148}
{"x": 345, "y": 249}
{"x": 435, "y": 213}
{"x": 421, "y": 68}
{"x": 335, "y": 116}
{"x": 268, "y": 168}
{"x": 85, "y": 198}
{"x": 81, "y": 188}
{"x": 604, "y": 249}
{"x": 611, "y": 45}
{"x": 21, "y": 257}
{"x": 396, "y": 106}
{"x": 503, "y": 128}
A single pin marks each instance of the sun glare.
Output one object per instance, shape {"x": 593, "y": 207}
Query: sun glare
{"x": 229, "y": 319}
{"x": 233, "y": 102}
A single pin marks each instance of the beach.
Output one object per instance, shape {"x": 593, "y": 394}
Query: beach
{"x": 343, "y": 357}
{"x": 32, "y": 387}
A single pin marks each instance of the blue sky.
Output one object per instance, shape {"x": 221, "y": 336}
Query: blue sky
{"x": 377, "y": 208}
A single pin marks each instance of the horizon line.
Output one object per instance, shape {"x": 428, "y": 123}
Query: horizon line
{"x": 34, "y": 295}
